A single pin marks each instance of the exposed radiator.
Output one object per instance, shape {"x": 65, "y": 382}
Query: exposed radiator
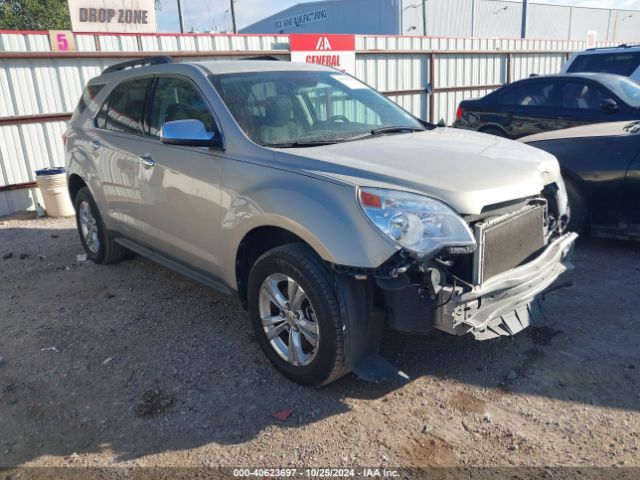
{"x": 508, "y": 241}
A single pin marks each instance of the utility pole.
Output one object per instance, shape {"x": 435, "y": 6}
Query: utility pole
{"x": 473, "y": 18}
{"x": 180, "y": 16}
{"x": 233, "y": 16}
{"x": 523, "y": 30}
{"x": 424, "y": 18}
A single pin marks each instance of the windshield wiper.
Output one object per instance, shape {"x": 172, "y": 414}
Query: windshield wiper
{"x": 387, "y": 129}
{"x": 395, "y": 129}
{"x": 317, "y": 143}
{"x": 300, "y": 144}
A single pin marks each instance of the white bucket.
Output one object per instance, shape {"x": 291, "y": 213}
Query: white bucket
{"x": 54, "y": 190}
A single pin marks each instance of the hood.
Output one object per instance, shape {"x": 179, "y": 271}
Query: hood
{"x": 465, "y": 169}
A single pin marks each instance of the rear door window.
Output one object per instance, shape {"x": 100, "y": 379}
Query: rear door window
{"x": 123, "y": 110}
{"x": 533, "y": 94}
{"x": 581, "y": 95}
{"x": 620, "y": 63}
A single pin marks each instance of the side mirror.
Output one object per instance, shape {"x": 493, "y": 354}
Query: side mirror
{"x": 190, "y": 133}
{"x": 609, "y": 105}
{"x": 428, "y": 89}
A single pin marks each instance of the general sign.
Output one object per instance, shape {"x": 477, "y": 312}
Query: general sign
{"x": 114, "y": 16}
{"x": 338, "y": 51}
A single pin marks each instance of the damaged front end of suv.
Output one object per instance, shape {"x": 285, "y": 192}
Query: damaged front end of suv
{"x": 481, "y": 274}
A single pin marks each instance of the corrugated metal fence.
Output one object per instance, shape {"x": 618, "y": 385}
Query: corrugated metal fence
{"x": 497, "y": 18}
{"x": 39, "y": 88}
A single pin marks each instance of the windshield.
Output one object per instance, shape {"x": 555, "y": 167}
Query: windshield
{"x": 627, "y": 90}
{"x": 621, "y": 63}
{"x": 304, "y": 108}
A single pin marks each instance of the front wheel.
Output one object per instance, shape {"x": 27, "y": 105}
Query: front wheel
{"x": 97, "y": 241}
{"x": 295, "y": 313}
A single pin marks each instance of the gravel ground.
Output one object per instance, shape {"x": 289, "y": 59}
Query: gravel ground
{"x": 134, "y": 365}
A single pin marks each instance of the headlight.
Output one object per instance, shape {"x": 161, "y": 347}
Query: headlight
{"x": 418, "y": 223}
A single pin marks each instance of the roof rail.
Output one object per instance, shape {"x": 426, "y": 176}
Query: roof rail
{"x": 263, "y": 57}
{"x": 141, "y": 62}
{"x": 622, "y": 45}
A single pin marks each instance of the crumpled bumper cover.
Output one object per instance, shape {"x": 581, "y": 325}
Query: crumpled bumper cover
{"x": 505, "y": 304}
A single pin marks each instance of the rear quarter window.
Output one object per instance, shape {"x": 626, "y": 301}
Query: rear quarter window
{"x": 88, "y": 99}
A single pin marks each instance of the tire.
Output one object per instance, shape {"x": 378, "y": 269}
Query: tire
{"x": 277, "y": 268}
{"x": 97, "y": 241}
{"x": 493, "y": 131}
{"x": 579, "y": 209}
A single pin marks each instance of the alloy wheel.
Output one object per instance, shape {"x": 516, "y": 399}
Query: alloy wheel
{"x": 289, "y": 320}
{"x": 89, "y": 227}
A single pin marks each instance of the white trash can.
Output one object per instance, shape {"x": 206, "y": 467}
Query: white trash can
{"x": 52, "y": 182}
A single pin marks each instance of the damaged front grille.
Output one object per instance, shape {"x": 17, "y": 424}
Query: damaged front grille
{"x": 508, "y": 241}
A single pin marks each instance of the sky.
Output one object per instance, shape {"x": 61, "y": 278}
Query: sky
{"x": 205, "y": 15}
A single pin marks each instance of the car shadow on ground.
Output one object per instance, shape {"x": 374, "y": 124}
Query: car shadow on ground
{"x": 134, "y": 359}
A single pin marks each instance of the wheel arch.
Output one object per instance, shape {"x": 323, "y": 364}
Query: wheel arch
{"x": 260, "y": 240}
{"x": 75, "y": 183}
{"x": 576, "y": 180}
{"x": 584, "y": 211}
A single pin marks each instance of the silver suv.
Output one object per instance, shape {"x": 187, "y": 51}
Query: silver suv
{"x": 622, "y": 60}
{"x": 332, "y": 212}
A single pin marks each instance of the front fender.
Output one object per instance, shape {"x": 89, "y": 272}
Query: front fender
{"x": 322, "y": 213}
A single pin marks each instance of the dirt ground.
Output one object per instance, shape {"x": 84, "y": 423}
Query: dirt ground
{"x": 134, "y": 365}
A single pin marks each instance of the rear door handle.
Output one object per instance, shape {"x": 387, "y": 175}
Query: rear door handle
{"x": 146, "y": 160}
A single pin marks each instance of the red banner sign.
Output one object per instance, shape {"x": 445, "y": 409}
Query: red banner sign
{"x": 316, "y": 42}
{"x": 337, "y": 51}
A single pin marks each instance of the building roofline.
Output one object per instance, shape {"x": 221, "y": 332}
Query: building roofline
{"x": 282, "y": 12}
{"x": 317, "y": 2}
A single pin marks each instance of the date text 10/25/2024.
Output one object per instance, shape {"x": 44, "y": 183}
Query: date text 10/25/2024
{"x": 315, "y": 473}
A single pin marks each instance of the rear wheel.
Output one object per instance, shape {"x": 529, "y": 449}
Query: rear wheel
{"x": 295, "y": 313}
{"x": 97, "y": 241}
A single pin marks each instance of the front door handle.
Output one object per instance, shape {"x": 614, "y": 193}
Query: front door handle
{"x": 146, "y": 160}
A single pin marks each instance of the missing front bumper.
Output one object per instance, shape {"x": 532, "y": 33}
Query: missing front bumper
{"x": 506, "y": 303}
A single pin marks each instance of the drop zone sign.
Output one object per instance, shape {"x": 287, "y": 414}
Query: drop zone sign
{"x": 123, "y": 16}
{"x": 338, "y": 51}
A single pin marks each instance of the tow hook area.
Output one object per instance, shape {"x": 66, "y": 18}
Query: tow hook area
{"x": 509, "y": 302}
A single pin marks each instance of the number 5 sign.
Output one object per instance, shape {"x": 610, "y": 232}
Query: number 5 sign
{"x": 62, "y": 41}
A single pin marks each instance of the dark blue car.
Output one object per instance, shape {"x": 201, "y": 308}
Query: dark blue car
{"x": 551, "y": 102}
{"x": 601, "y": 168}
